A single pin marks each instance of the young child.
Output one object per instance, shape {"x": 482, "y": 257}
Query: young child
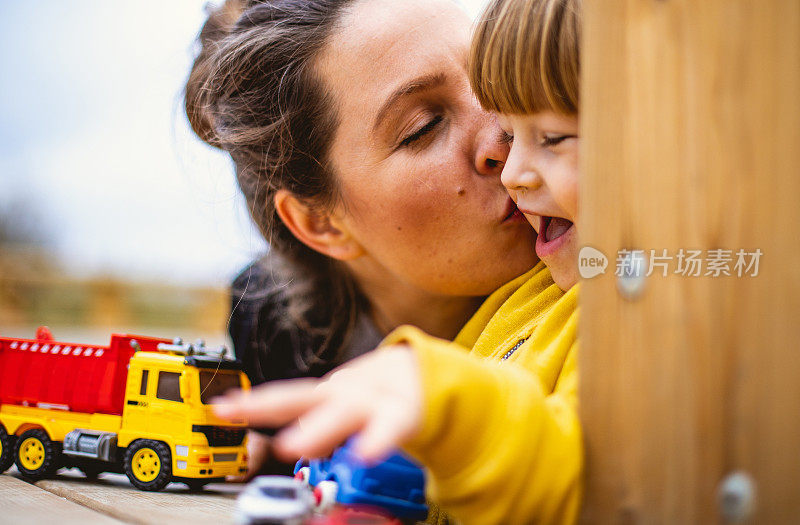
{"x": 532, "y": 83}
{"x": 492, "y": 415}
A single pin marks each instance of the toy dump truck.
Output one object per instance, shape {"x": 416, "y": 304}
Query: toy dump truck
{"x": 139, "y": 405}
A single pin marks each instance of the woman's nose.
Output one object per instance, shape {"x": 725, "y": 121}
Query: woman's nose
{"x": 490, "y": 152}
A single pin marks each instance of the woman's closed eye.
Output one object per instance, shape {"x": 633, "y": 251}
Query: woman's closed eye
{"x": 421, "y": 132}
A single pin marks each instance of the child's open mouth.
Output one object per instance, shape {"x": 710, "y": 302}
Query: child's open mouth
{"x": 554, "y": 232}
{"x": 554, "y": 227}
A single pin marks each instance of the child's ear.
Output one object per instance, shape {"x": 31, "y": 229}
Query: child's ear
{"x": 319, "y": 232}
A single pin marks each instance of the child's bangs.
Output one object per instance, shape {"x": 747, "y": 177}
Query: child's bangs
{"x": 524, "y": 57}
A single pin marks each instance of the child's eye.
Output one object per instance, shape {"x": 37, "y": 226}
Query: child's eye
{"x": 421, "y": 132}
{"x": 506, "y": 138}
{"x": 554, "y": 140}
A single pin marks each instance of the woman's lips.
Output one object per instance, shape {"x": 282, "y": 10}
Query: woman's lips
{"x": 512, "y": 213}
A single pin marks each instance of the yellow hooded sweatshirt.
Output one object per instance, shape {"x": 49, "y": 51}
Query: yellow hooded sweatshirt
{"x": 500, "y": 437}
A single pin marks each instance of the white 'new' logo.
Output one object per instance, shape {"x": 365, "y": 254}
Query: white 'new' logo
{"x": 591, "y": 262}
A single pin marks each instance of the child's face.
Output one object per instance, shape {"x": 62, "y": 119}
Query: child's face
{"x": 541, "y": 174}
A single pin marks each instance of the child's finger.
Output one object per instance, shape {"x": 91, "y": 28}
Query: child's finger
{"x": 319, "y": 431}
{"x": 271, "y": 405}
{"x": 383, "y": 433}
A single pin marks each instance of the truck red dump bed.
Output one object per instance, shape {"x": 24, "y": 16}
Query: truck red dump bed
{"x": 68, "y": 376}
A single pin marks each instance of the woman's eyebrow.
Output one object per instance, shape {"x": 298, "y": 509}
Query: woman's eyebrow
{"x": 422, "y": 83}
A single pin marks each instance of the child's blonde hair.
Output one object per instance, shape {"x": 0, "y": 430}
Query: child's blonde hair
{"x": 525, "y": 56}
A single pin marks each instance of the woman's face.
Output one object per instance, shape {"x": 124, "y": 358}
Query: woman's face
{"x": 417, "y": 160}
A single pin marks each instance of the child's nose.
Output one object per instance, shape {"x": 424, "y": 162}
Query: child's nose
{"x": 519, "y": 176}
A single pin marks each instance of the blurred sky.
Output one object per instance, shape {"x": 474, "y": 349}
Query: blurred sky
{"x": 94, "y": 142}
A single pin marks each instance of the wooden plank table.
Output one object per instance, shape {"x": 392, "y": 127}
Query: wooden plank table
{"x": 21, "y": 502}
{"x": 71, "y": 498}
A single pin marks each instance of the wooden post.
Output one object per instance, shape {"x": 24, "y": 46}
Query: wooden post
{"x": 691, "y": 140}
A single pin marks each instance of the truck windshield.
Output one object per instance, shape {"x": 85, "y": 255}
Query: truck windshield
{"x": 214, "y": 384}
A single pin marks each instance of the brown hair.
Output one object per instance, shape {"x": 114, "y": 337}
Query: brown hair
{"x": 253, "y": 92}
{"x": 525, "y": 56}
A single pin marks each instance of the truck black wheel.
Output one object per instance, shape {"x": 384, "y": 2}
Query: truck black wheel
{"x": 36, "y": 455}
{"x": 6, "y": 449}
{"x": 148, "y": 464}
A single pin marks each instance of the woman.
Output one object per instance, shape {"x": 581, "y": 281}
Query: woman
{"x": 366, "y": 162}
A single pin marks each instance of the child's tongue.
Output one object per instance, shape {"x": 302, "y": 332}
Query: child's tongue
{"x": 556, "y": 227}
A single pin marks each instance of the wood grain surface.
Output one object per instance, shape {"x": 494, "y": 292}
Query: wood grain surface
{"x": 112, "y": 496}
{"x": 21, "y": 502}
{"x": 690, "y": 139}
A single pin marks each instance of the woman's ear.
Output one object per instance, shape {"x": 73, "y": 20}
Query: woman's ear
{"x": 317, "y": 231}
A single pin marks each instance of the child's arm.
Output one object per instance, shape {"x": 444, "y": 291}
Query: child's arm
{"x": 376, "y": 395}
{"x": 498, "y": 446}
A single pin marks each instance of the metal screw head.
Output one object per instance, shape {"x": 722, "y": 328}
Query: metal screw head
{"x": 736, "y": 497}
{"x": 631, "y": 273}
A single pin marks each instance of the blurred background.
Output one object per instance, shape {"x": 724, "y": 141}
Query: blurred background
{"x": 114, "y": 217}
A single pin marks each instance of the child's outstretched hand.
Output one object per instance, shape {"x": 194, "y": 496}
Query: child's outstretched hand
{"x": 378, "y": 395}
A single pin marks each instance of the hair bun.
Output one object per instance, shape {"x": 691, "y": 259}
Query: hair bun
{"x": 218, "y": 25}
{"x": 220, "y": 20}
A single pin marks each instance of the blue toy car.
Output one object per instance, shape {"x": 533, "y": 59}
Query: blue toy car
{"x": 396, "y": 485}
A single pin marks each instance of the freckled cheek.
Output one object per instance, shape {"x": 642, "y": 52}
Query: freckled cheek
{"x": 420, "y": 211}
{"x": 416, "y": 218}
{"x": 422, "y": 199}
